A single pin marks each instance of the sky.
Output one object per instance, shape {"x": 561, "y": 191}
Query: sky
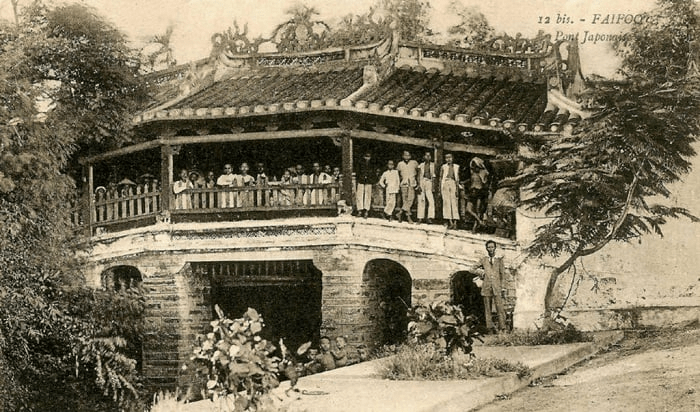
{"x": 195, "y": 21}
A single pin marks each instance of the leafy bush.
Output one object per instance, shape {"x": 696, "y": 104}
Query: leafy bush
{"x": 237, "y": 363}
{"x": 443, "y": 325}
{"x": 427, "y": 362}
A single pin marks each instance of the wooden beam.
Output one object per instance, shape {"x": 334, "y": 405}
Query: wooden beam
{"x": 421, "y": 142}
{"x": 152, "y": 144}
{"x": 392, "y": 138}
{"x": 213, "y": 138}
{"x": 461, "y": 147}
{"x": 287, "y": 134}
{"x": 242, "y": 137}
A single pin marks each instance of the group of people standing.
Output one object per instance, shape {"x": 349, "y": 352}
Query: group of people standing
{"x": 294, "y": 175}
{"x": 409, "y": 180}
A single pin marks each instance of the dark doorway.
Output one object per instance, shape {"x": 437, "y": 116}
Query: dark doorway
{"x": 121, "y": 278}
{"x": 467, "y": 295}
{"x": 287, "y": 294}
{"x": 388, "y": 286}
{"x": 126, "y": 281}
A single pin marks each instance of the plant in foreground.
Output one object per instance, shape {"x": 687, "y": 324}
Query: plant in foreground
{"x": 443, "y": 325}
{"x": 568, "y": 334}
{"x": 427, "y": 362}
{"x": 237, "y": 363}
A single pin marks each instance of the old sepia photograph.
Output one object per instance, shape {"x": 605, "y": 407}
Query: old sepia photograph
{"x": 370, "y": 205}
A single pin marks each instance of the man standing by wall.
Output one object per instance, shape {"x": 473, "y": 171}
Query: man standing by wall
{"x": 449, "y": 181}
{"x": 366, "y": 176}
{"x": 407, "y": 171}
{"x": 492, "y": 271}
{"x": 426, "y": 176}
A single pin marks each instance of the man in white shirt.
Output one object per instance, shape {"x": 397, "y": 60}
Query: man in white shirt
{"x": 319, "y": 177}
{"x": 426, "y": 176}
{"x": 228, "y": 179}
{"x": 449, "y": 184}
{"x": 182, "y": 198}
{"x": 407, "y": 171}
{"x": 390, "y": 181}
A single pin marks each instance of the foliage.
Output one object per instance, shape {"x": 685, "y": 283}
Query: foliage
{"x": 411, "y": 17}
{"x": 597, "y": 184}
{"x": 237, "y": 363}
{"x": 65, "y": 80}
{"x": 473, "y": 27}
{"x": 568, "y": 334}
{"x": 426, "y": 362}
{"x": 443, "y": 325}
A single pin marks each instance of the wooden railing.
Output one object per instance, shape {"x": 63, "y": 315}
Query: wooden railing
{"x": 255, "y": 198}
{"x": 134, "y": 202}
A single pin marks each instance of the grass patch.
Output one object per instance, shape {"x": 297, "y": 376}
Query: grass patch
{"x": 425, "y": 362}
{"x": 557, "y": 337}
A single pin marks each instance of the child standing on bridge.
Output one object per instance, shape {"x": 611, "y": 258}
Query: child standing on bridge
{"x": 390, "y": 181}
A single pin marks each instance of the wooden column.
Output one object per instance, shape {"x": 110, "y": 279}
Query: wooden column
{"x": 346, "y": 146}
{"x": 166, "y": 176}
{"x": 439, "y": 151}
{"x": 89, "y": 199}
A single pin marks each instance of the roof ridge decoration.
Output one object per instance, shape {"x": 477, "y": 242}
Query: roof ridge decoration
{"x": 504, "y": 88}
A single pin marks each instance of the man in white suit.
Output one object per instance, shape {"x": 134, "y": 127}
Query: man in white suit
{"x": 426, "y": 177}
{"x": 449, "y": 185}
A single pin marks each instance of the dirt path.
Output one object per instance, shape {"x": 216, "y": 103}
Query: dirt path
{"x": 647, "y": 371}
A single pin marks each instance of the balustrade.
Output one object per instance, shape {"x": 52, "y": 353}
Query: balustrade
{"x": 252, "y": 198}
{"x": 134, "y": 202}
{"x": 131, "y": 202}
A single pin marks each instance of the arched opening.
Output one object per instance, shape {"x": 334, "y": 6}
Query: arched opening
{"x": 286, "y": 293}
{"x": 121, "y": 278}
{"x": 467, "y": 295}
{"x": 124, "y": 281}
{"x": 387, "y": 284}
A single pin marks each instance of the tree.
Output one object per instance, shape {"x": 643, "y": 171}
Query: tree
{"x": 67, "y": 80}
{"x": 597, "y": 185}
{"x": 411, "y": 16}
{"x": 473, "y": 27}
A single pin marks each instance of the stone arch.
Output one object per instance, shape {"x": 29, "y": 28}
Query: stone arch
{"x": 465, "y": 293}
{"x": 387, "y": 287}
{"x": 120, "y": 277}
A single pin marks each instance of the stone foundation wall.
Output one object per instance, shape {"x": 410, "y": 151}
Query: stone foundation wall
{"x": 353, "y": 302}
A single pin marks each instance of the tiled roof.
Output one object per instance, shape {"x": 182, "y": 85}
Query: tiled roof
{"x": 463, "y": 93}
{"x": 276, "y": 87}
{"x": 476, "y": 100}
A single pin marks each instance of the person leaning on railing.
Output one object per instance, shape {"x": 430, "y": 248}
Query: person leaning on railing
{"x": 227, "y": 179}
{"x": 319, "y": 196}
{"x": 182, "y": 198}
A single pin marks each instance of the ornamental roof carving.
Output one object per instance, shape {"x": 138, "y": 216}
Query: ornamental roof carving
{"x": 508, "y": 83}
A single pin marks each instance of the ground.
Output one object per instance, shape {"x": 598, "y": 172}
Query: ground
{"x": 646, "y": 371}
